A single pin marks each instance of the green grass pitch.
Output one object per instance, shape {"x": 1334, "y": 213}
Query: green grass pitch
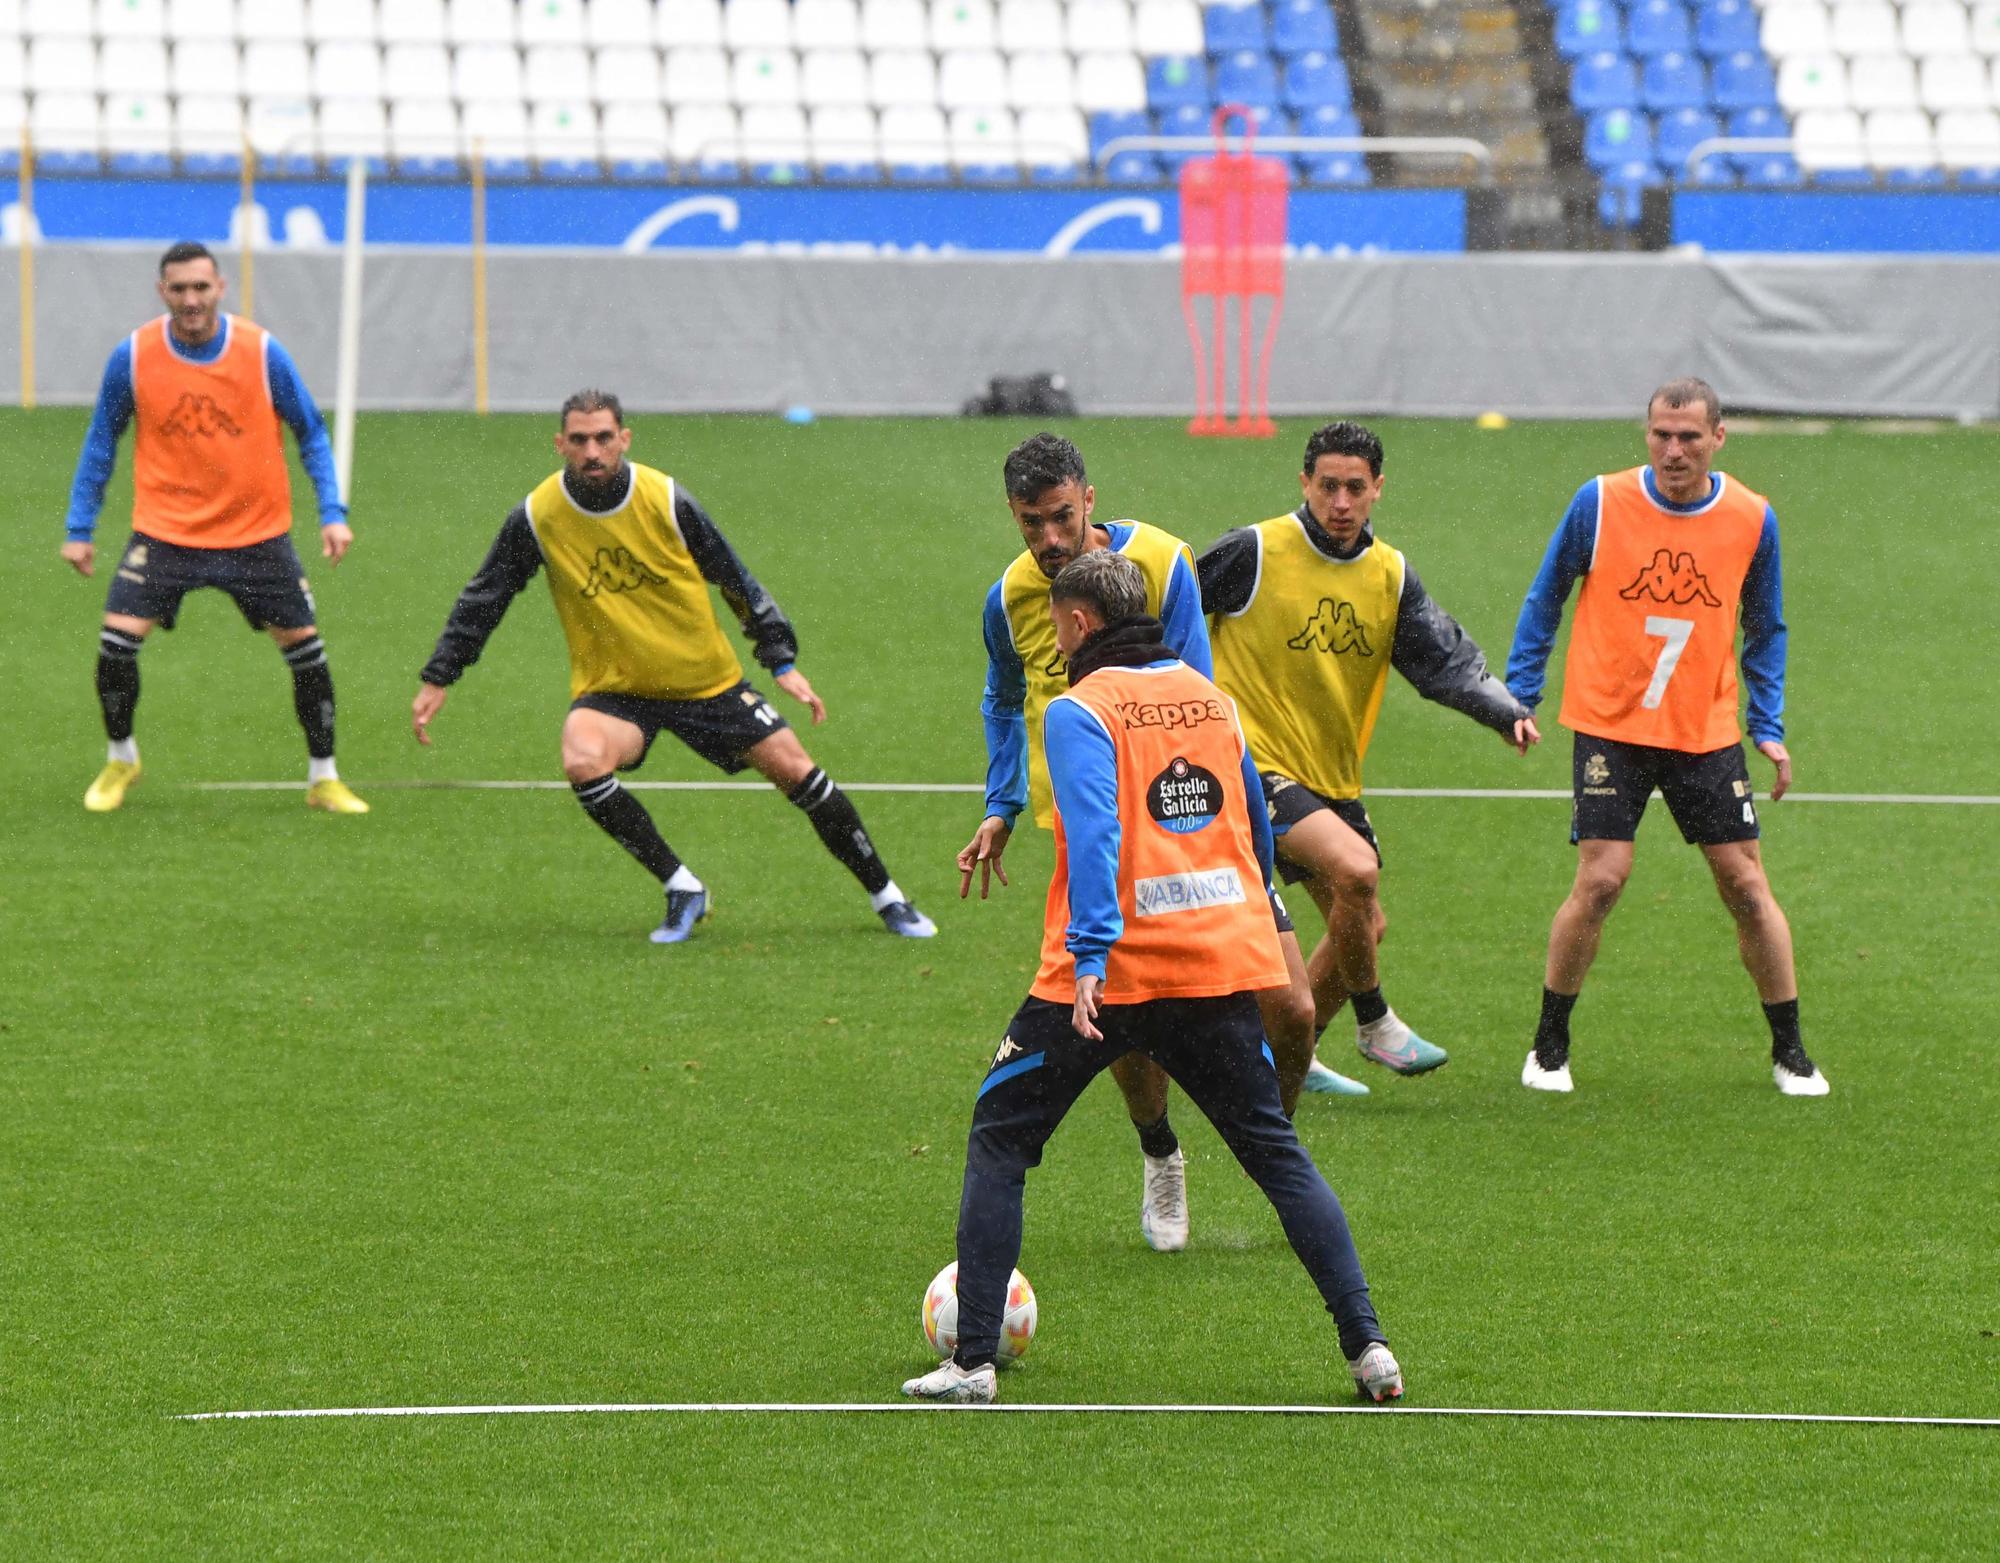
{"x": 299, "y": 1111}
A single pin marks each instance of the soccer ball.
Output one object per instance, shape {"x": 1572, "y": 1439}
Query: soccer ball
{"x": 1017, "y": 1324}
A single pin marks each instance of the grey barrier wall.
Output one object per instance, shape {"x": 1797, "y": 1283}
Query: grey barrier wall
{"x": 1529, "y": 335}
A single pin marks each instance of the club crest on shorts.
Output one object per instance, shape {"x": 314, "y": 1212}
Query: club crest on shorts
{"x": 1595, "y": 771}
{"x": 1184, "y": 797}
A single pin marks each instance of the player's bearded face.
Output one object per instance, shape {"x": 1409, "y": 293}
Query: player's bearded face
{"x": 1055, "y": 524}
{"x": 193, "y": 291}
{"x": 592, "y": 445}
{"x": 1340, "y": 495}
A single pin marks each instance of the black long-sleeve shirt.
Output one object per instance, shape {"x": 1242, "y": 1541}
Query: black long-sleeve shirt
{"x": 515, "y": 557}
{"x": 1431, "y": 649}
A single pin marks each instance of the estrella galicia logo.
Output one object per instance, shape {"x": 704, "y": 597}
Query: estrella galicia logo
{"x": 199, "y": 416}
{"x": 1671, "y": 577}
{"x": 1184, "y": 797}
{"x": 615, "y": 570}
{"x": 1333, "y": 628}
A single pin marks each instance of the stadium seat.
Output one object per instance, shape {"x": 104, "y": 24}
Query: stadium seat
{"x": 1233, "y": 28}
{"x": 1167, "y": 27}
{"x": 272, "y": 21}
{"x": 496, "y": 132}
{"x": 985, "y": 146}
{"x": 844, "y": 145}
{"x": 351, "y": 128}
{"x": 1335, "y": 169}
{"x": 552, "y": 22}
{"x": 759, "y": 76}
{"x": 1133, "y": 168}
{"x": 1882, "y": 81}
{"x": 481, "y": 22}
{"x": 899, "y": 79}
{"x": 625, "y": 75}
{"x": 1098, "y": 27}
{"x": 1761, "y": 124}
{"x": 1795, "y": 27}
{"x": 1054, "y": 143}
{"x": 53, "y": 19}
{"x": 62, "y": 66}
{"x": 1935, "y": 27}
{"x": 635, "y": 138}
{"x": 208, "y": 131}
{"x": 1110, "y": 81}
{"x": 1969, "y": 138}
{"x": 1863, "y": 27}
{"x": 1328, "y": 120}
{"x": 1113, "y": 126}
{"x": 1899, "y": 138}
{"x": 13, "y": 117}
{"x": 1673, "y": 81}
{"x": 207, "y": 67}
{"x": 1041, "y": 80}
{"x": 688, "y": 24}
{"x": 346, "y": 70}
{"x": 1176, "y": 81}
{"x": 1620, "y": 199}
{"x": 132, "y": 65}
{"x": 1304, "y": 27}
{"x": 703, "y": 140}
{"x": 620, "y": 24}
{"x": 1812, "y": 81}
{"x": 915, "y": 145}
{"x": 1726, "y": 27}
{"x": 1617, "y": 136}
{"x": 1775, "y": 171}
{"x": 1604, "y": 81}
{"x": 1247, "y": 77}
{"x": 1030, "y": 24}
{"x": 1828, "y": 138}
{"x": 1315, "y": 79}
{"x": 972, "y": 78}
{"x": 894, "y": 24}
{"x": 825, "y": 24}
{"x": 1589, "y": 27}
{"x": 1658, "y": 27}
{"x": 138, "y": 132}
{"x": 480, "y": 73}
{"x": 833, "y": 78}
{"x": 283, "y": 134}
{"x": 556, "y": 73}
{"x": 1985, "y": 27}
{"x": 412, "y": 21}
{"x": 190, "y": 21}
{"x": 413, "y": 72}
{"x": 775, "y": 143}
{"x": 327, "y": 21}
{"x": 757, "y": 24}
{"x": 1678, "y": 134}
{"x": 962, "y": 24}
{"x": 14, "y": 66}
{"x": 1744, "y": 81}
{"x": 696, "y": 76}
{"x": 137, "y": 18}
{"x": 562, "y": 139}
{"x": 1952, "y": 82}
{"x": 277, "y": 70}
{"x": 1187, "y": 120}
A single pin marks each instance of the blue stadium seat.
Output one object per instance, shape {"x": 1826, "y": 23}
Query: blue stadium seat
{"x": 1246, "y": 77}
{"x": 1313, "y": 80}
{"x": 1588, "y": 27}
{"x": 1726, "y": 27}
{"x": 1618, "y": 201}
{"x": 850, "y": 173}
{"x": 1617, "y": 136}
{"x": 1680, "y": 133}
{"x": 1979, "y": 178}
{"x": 406, "y": 167}
{"x": 1856, "y": 178}
{"x": 1109, "y": 125}
{"x": 1329, "y": 121}
{"x": 570, "y": 170}
{"x": 1175, "y": 80}
{"x": 1714, "y": 173}
{"x": 302, "y": 165}
{"x": 1335, "y": 168}
{"x": 1658, "y": 27}
{"x": 644, "y": 170}
{"x": 1185, "y": 121}
{"x": 1775, "y": 171}
{"x": 1914, "y": 178}
{"x": 1230, "y": 29}
{"x": 1133, "y": 168}
{"x": 1303, "y": 27}
{"x": 780, "y": 173}
{"x": 1673, "y": 81}
{"x": 1604, "y": 81}
{"x": 936, "y": 173}
{"x": 154, "y": 164}
{"x": 1763, "y": 124}
{"x": 990, "y": 174}
{"x": 1745, "y": 81}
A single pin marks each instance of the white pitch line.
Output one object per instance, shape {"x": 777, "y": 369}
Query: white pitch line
{"x": 774, "y": 1407}
{"x": 1535, "y": 793}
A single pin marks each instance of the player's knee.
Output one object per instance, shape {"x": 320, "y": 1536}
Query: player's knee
{"x": 582, "y": 762}
{"x": 1745, "y": 891}
{"x": 1289, "y": 1012}
{"x": 1357, "y": 878}
{"x": 1599, "y": 888}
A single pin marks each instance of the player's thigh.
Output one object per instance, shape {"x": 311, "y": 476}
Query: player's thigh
{"x": 1291, "y": 1006}
{"x": 1215, "y": 1051}
{"x": 130, "y": 624}
{"x": 734, "y": 730}
{"x": 1332, "y": 852}
{"x": 1738, "y": 867}
{"x": 1036, "y": 1074}
{"x": 594, "y": 742}
{"x": 780, "y": 759}
{"x": 1609, "y": 785}
{"x": 146, "y": 587}
{"x": 1710, "y": 797}
{"x": 1602, "y": 867}
{"x": 268, "y": 584}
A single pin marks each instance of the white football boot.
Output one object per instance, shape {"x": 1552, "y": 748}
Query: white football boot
{"x": 1377, "y": 1374}
{"x": 1536, "y": 1078}
{"x": 951, "y": 1385}
{"x": 1163, "y": 1213}
{"x": 1796, "y": 1075}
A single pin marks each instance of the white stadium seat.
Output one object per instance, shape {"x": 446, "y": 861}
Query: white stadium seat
{"x": 191, "y": 20}
{"x": 412, "y": 21}
{"x": 416, "y": 72}
{"x": 757, "y": 24}
{"x": 705, "y": 131}
{"x": 902, "y": 79}
{"x": 13, "y": 109}
{"x": 133, "y": 65}
{"x": 1969, "y": 138}
{"x": 138, "y": 124}
{"x": 557, "y": 73}
{"x": 486, "y": 73}
{"x": 349, "y": 69}
{"x": 424, "y": 130}
{"x": 826, "y": 24}
{"x": 1900, "y": 138}
{"x": 345, "y": 21}
{"x": 844, "y": 135}
{"x": 55, "y": 19}
{"x": 1167, "y": 27}
{"x": 1041, "y": 80}
{"x": 635, "y": 133}
{"x": 1812, "y": 81}
{"x": 1053, "y": 138}
{"x": 1934, "y": 27}
{"x": 699, "y": 75}
{"x": 972, "y": 78}
{"x": 62, "y": 65}
{"x": 915, "y": 137}
{"x": 1795, "y": 27}
{"x": 1952, "y": 82}
{"x": 1099, "y": 26}
{"x": 962, "y": 24}
{"x": 1110, "y": 82}
{"x": 764, "y": 76}
{"x": 1882, "y": 81}
{"x": 276, "y": 70}
{"x": 688, "y": 24}
{"x": 479, "y": 21}
{"x": 1828, "y": 138}
{"x": 281, "y": 128}
{"x": 619, "y": 23}
{"x": 273, "y": 21}
{"x": 208, "y": 126}
{"x": 496, "y": 130}
{"x": 554, "y": 22}
{"x": 775, "y": 133}
{"x": 1985, "y": 28}
{"x": 830, "y": 78}
{"x": 625, "y": 75}
{"x": 1031, "y": 24}
{"x": 208, "y": 67}
{"x": 14, "y": 64}
{"x": 983, "y": 138}
{"x": 894, "y": 24}
{"x": 1864, "y": 27}
{"x": 131, "y": 18}
{"x": 64, "y": 122}
{"x": 560, "y": 132}
{"x": 353, "y": 127}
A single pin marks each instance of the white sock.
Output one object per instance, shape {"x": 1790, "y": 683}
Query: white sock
{"x": 683, "y": 880}
{"x": 1388, "y": 1022}
{"x": 888, "y": 895}
{"x": 320, "y": 770}
{"x": 126, "y": 749}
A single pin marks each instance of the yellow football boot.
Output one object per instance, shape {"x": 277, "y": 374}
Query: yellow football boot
{"x": 335, "y": 796}
{"x": 108, "y": 791}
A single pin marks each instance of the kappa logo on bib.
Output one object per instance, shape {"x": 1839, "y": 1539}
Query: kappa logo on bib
{"x": 1184, "y": 797}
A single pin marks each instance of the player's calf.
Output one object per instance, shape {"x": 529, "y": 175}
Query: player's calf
{"x": 838, "y": 825}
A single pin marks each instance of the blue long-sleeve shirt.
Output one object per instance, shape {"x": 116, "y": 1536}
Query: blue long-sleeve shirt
{"x": 115, "y": 407}
{"x": 1003, "y": 705}
{"x": 1083, "y": 765}
{"x": 1569, "y": 554}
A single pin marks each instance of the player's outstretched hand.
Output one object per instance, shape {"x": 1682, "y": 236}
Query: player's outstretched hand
{"x": 1526, "y": 735}
{"x": 429, "y": 701}
{"x": 982, "y": 852}
{"x": 81, "y": 557}
{"x": 1083, "y": 1018}
{"x": 1776, "y": 753}
{"x": 335, "y": 539}
{"x": 794, "y": 684}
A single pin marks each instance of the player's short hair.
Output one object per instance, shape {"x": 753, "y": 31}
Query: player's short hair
{"x": 593, "y": 400}
{"x": 187, "y": 250}
{"x": 1344, "y": 439}
{"x": 1107, "y": 583}
{"x": 1685, "y": 392}
{"x": 1039, "y": 463}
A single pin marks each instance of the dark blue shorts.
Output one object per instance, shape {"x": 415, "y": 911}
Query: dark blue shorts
{"x": 265, "y": 580}
{"x": 721, "y": 729}
{"x": 1287, "y": 802}
{"x": 1709, "y": 795}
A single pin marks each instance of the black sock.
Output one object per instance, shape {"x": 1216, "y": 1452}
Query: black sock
{"x": 840, "y": 828}
{"x": 1784, "y": 1019}
{"x": 312, "y": 694}
{"x": 1369, "y": 1007}
{"x": 625, "y": 820}
{"x": 1157, "y": 1140}
{"x": 1552, "y": 1030}
{"x": 118, "y": 681}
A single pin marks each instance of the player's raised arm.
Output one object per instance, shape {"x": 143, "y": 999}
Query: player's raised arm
{"x": 295, "y": 404}
{"x": 509, "y": 565}
{"x": 94, "y": 463}
{"x": 1443, "y": 663}
{"x": 1567, "y": 557}
{"x": 1182, "y": 616}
